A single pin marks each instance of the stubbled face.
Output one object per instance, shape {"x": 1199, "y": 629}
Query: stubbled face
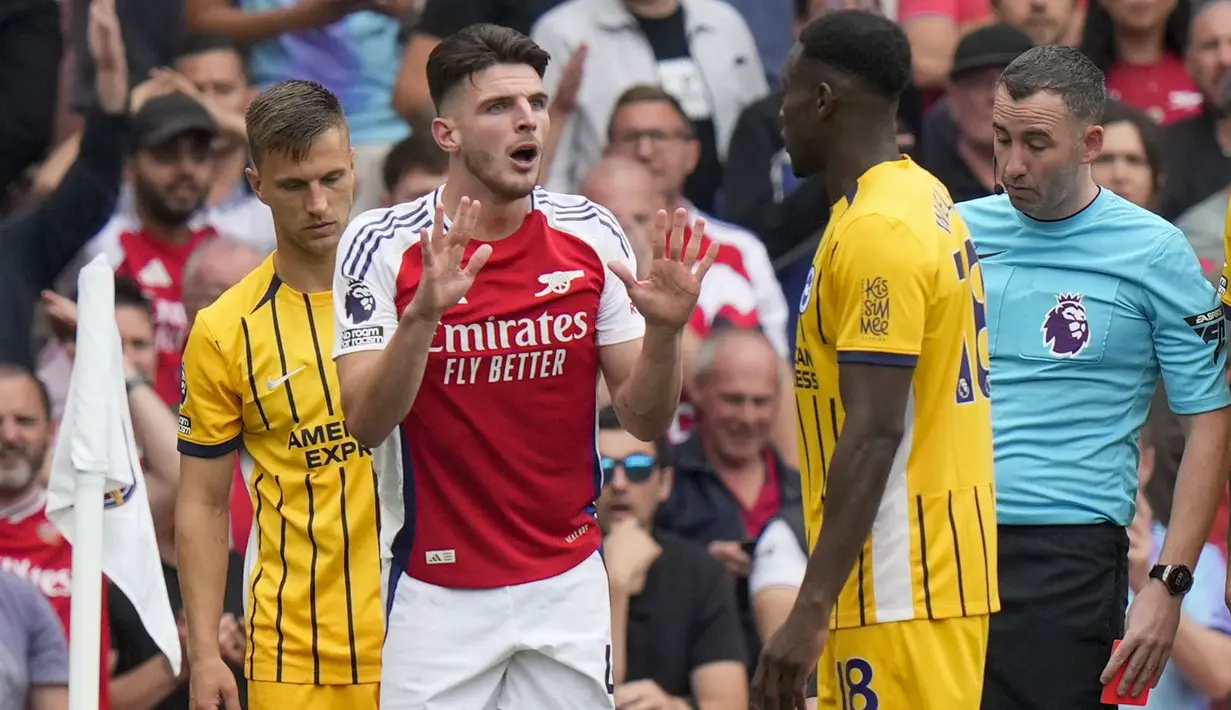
{"x": 1209, "y": 53}
{"x": 804, "y": 128}
{"x": 173, "y": 179}
{"x": 656, "y": 135}
{"x": 1039, "y": 149}
{"x": 496, "y": 123}
{"x": 25, "y": 434}
{"x": 1045, "y": 21}
{"x": 310, "y": 199}
{"x": 1123, "y": 166}
{"x": 634, "y": 483}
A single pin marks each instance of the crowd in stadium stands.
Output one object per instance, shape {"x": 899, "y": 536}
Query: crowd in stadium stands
{"x": 655, "y": 104}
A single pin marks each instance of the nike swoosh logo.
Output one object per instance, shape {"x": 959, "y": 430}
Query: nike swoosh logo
{"x": 990, "y": 254}
{"x": 273, "y": 384}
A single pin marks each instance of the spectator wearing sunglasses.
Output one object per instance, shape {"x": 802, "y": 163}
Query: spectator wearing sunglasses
{"x": 675, "y": 634}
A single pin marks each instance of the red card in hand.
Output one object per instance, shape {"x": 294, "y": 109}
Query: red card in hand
{"x": 1111, "y": 691}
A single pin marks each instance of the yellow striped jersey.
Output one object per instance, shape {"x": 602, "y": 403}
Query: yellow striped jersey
{"x": 257, "y": 374}
{"x": 895, "y": 282}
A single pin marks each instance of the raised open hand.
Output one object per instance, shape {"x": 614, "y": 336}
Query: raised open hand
{"x": 110, "y": 62}
{"x": 668, "y": 295}
{"x": 445, "y": 280}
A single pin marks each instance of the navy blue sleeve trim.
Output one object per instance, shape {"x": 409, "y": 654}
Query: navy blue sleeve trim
{"x": 209, "y": 451}
{"x": 864, "y": 357}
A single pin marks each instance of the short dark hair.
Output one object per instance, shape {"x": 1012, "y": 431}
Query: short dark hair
{"x": 1063, "y": 71}
{"x": 9, "y": 370}
{"x": 195, "y": 44}
{"x": 470, "y": 50}
{"x": 608, "y": 420}
{"x": 418, "y": 151}
{"x": 1147, "y": 129}
{"x": 289, "y": 117}
{"x": 128, "y": 293}
{"x": 644, "y": 93}
{"x": 863, "y": 45}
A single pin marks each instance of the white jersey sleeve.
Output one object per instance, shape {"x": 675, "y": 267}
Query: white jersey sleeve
{"x": 777, "y": 560}
{"x": 618, "y": 319}
{"x": 366, "y": 272}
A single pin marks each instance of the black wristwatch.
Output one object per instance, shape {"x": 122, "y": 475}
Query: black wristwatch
{"x": 137, "y": 380}
{"x": 1177, "y": 578}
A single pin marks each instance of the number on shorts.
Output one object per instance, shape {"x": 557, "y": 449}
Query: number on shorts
{"x": 610, "y": 674}
{"x": 855, "y": 685}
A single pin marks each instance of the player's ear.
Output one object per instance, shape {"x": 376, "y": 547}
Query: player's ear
{"x": 445, "y": 133}
{"x": 825, "y": 100}
{"x": 668, "y": 480}
{"x": 254, "y": 181}
{"x": 1091, "y": 144}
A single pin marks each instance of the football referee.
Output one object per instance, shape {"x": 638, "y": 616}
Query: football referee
{"x": 1090, "y": 300}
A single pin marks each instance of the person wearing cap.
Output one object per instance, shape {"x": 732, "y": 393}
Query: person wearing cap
{"x": 957, "y": 143}
{"x": 172, "y": 174}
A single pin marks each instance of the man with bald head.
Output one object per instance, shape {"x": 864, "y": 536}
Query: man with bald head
{"x": 214, "y": 267}
{"x": 625, "y": 186}
{"x": 730, "y": 479}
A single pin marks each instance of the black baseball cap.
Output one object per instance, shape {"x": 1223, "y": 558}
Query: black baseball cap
{"x": 165, "y": 117}
{"x": 991, "y": 46}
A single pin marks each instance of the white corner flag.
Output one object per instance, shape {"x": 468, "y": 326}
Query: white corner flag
{"x": 96, "y": 496}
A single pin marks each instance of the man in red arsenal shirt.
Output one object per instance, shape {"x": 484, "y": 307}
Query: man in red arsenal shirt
{"x": 172, "y": 172}
{"x": 479, "y": 351}
{"x": 30, "y": 546}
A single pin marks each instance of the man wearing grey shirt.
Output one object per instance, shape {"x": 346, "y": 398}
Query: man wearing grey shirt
{"x": 33, "y": 652}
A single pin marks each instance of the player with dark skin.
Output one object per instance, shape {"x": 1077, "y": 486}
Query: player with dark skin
{"x": 834, "y": 123}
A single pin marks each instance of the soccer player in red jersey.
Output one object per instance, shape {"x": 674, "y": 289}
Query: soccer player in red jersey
{"x": 470, "y": 342}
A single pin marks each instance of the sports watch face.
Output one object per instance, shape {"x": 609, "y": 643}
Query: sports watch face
{"x": 1180, "y": 580}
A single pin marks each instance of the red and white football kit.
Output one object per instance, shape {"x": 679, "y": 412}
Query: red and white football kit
{"x": 157, "y": 267}
{"x": 498, "y": 597}
{"x": 32, "y": 548}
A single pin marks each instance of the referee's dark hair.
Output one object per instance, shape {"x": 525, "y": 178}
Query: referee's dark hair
{"x": 469, "y": 51}
{"x": 289, "y": 117}
{"x": 1063, "y": 71}
{"x": 608, "y": 420}
{"x": 863, "y": 45}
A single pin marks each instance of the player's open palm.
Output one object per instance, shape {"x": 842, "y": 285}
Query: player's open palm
{"x": 445, "y": 278}
{"x": 668, "y": 295}
{"x": 212, "y": 686}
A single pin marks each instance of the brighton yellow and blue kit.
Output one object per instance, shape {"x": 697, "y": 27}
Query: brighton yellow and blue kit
{"x": 257, "y": 374}
{"x": 896, "y": 283}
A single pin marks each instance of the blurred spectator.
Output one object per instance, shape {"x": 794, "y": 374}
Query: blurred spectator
{"x": 413, "y": 168}
{"x": 1046, "y": 21}
{"x": 441, "y": 18}
{"x": 153, "y": 33}
{"x": 1130, "y": 164}
{"x": 33, "y": 651}
{"x": 700, "y": 51}
{"x": 650, "y": 125}
{"x": 626, "y": 186}
{"x": 770, "y": 22}
{"x": 779, "y": 562}
{"x": 213, "y": 268}
{"x": 1199, "y": 671}
{"x": 676, "y": 636}
{"x": 934, "y": 28}
{"x": 729, "y": 479}
{"x": 172, "y": 175}
{"x": 349, "y": 46}
{"x": 30, "y": 48}
{"x": 38, "y": 244}
{"x": 957, "y": 136}
{"x": 30, "y": 545}
{"x": 1140, "y": 45}
{"x": 1197, "y": 148}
